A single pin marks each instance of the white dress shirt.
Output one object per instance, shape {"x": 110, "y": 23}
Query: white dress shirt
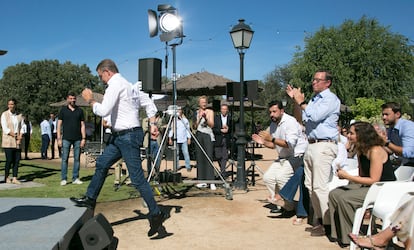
{"x": 120, "y": 102}
{"x": 291, "y": 131}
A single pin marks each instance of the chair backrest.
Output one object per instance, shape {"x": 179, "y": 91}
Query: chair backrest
{"x": 404, "y": 173}
{"x": 372, "y": 194}
{"x": 389, "y": 197}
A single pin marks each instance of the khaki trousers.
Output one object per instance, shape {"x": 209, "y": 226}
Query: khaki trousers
{"x": 277, "y": 175}
{"x": 317, "y": 160}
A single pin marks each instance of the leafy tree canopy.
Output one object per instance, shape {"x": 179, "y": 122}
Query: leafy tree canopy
{"x": 38, "y": 84}
{"x": 366, "y": 60}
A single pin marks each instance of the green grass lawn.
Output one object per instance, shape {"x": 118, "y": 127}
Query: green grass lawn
{"x": 48, "y": 173}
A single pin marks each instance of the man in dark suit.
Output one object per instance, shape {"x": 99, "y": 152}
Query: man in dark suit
{"x": 222, "y": 132}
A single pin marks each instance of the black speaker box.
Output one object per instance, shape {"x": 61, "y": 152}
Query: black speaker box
{"x": 250, "y": 90}
{"x": 216, "y": 105}
{"x": 149, "y": 73}
{"x": 233, "y": 91}
{"x": 169, "y": 176}
{"x": 96, "y": 233}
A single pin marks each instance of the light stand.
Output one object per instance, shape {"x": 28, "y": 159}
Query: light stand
{"x": 241, "y": 35}
{"x": 169, "y": 23}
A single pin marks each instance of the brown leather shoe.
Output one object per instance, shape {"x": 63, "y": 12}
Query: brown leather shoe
{"x": 318, "y": 231}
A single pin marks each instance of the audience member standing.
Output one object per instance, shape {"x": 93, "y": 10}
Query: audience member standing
{"x": 320, "y": 117}
{"x": 154, "y": 137}
{"x": 46, "y": 133}
{"x": 27, "y": 134}
{"x": 183, "y": 138}
{"x": 127, "y": 138}
{"x": 11, "y": 124}
{"x": 204, "y": 122}
{"x": 222, "y": 134}
{"x": 72, "y": 123}
{"x": 53, "y": 125}
{"x": 400, "y": 133}
{"x": 285, "y": 134}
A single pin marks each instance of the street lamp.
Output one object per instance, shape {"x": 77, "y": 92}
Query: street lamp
{"x": 241, "y": 35}
{"x": 3, "y": 52}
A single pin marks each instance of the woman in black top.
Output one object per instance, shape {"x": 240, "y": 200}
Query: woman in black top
{"x": 373, "y": 164}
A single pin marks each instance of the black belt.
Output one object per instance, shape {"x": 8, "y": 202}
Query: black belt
{"x": 311, "y": 140}
{"x": 124, "y": 131}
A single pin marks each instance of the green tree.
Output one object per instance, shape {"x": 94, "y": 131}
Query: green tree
{"x": 366, "y": 59}
{"x": 40, "y": 83}
{"x": 367, "y": 109}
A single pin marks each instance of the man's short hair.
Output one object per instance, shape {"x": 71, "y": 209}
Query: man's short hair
{"x": 395, "y": 107}
{"x": 279, "y": 104}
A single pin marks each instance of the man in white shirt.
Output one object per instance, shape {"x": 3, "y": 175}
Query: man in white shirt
{"x": 127, "y": 136}
{"x": 285, "y": 134}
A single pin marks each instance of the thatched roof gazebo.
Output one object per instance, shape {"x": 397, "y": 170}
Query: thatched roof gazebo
{"x": 200, "y": 83}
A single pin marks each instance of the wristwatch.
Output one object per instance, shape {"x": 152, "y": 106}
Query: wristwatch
{"x": 387, "y": 143}
{"x": 273, "y": 140}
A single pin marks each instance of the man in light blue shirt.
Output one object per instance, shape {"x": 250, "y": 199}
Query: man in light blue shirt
{"x": 183, "y": 138}
{"x": 400, "y": 133}
{"x": 46, "y": 133}
{"x": 320, "y": 117}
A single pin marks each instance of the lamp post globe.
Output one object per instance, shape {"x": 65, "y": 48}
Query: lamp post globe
{"x": 241, "y": 35}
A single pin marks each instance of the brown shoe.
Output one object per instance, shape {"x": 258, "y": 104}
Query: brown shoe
{"x": 8, "y": 180}
{"x": 318, "y": 231}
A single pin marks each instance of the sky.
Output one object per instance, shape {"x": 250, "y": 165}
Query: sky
{"x": 85, "y": 32}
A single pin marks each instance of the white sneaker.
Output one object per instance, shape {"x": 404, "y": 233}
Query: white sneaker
{"x": 63, "y": 182}
{"x": 201, "y": 185}
{"x": 77, "y": 181}
{"x": 213, "y": 186}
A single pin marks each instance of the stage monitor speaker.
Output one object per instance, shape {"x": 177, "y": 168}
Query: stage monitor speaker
{"x": 96, "y": 233}
{"x": 150, "y": 74}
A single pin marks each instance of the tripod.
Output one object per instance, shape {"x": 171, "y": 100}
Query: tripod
{"x": 251, "y": 169}
{"x": 173, "y": 119}
{"x": 231, "y": 160}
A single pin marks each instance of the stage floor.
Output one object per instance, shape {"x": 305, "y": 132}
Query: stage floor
{"x": 39, "y": 223}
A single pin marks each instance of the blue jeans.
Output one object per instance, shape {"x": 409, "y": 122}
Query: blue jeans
{"x": 184, "y": 149}
{"x": 154, "y": 147}
{"x": 126, "y": 146}
{"x": 45, "y": 144}
{"x": 289, "y": 190}
{"x": 66, "y": 144}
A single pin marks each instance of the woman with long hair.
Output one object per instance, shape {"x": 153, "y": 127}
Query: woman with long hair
{"x": 11, "y": 123}
{"x": 373, "y": 164}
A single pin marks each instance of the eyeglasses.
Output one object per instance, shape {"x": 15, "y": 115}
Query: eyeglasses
{"x": 317, "y": 80}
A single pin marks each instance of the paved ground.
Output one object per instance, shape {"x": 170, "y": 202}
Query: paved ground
{"x": 204, "y": 219}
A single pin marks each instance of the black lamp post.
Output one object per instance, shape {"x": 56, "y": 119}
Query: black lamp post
{"x": 241, "y": 35}
{"x": 3, "y": 52}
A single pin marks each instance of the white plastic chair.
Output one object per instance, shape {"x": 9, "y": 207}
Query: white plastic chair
{"x": 369, "y": 201}
{"x": 404, "y": 173}
{"x": 388, "y": 200}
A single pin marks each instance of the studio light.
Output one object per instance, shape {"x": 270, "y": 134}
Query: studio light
{"x": 170, "y": 25}
{"x": 241, "y": 35}
{"x": 168, "y": 22}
